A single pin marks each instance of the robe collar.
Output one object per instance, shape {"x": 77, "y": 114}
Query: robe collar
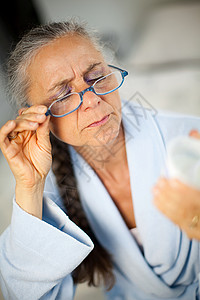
{"x": 146, "y": 160}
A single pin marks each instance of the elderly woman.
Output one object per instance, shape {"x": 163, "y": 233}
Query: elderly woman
{"x": 92, "y": 217}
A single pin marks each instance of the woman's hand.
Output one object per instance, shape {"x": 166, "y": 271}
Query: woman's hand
{"x": 180, "y": 202}
{"x": 28, "y": 155}
{"x": 195, "y": 134}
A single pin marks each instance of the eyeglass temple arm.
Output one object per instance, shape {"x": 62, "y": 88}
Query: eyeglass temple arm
{"x": 124, "y": 72}
{"x": 48, "y": 112}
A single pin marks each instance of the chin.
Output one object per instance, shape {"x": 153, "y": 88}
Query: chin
{"x": 95, "y": 136}
{"x": 106, "y": 134}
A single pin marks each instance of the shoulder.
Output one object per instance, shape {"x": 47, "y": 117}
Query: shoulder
{"x": 173, "y": 124}
{"x": 169, "y": 124}
{"x": 175, "y": 117}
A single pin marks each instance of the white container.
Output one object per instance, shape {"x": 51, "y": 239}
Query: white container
{"x": 183, "y": 160}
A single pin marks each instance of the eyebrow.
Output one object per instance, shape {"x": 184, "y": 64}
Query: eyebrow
{"x": 92, "y": 66}
{"x": 66, "y": 81}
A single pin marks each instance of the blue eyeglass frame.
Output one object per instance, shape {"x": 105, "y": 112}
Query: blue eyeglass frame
{"x": 91, "y": 89}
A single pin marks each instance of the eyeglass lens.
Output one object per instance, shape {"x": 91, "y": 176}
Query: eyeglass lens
{"x": 102, "y": 86}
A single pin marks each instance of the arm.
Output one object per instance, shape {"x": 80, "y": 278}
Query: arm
{"x": 41, "y": 247}
{"x": 28, "y": 155}
{"x": 37, "y": 258}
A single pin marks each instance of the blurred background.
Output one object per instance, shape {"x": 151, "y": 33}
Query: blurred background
{"x": 157, "y": 41}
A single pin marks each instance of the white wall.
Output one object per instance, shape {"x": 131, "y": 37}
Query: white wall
{"x": 6, "y": 111}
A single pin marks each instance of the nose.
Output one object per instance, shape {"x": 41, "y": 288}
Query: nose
{"x": 90, "y": 101}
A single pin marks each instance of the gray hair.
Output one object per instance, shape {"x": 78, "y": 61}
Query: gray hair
{"x": 27, "y": 48}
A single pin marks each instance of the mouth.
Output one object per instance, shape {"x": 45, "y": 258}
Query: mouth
{"x": 100, "y": 122}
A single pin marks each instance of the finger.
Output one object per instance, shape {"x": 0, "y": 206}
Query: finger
{"x": 170, "y": 211}
{"x": 42, "y": 133}
{"x": 41, "y": 109}
{"x": 164, "y": 195}
{"x": 24, "y": 125}
{"x": 180, "y": 187}
{"x": 170, "y": 186}
{"x": 21, "y": 110}
{"x": 160, "y": 197}
{"x": 162, "y": 182}
{"x": 167, "y": 196}
{"x": 43, "y": 129}
{"x": 5, "y": 131}
{"x": 194, "y": 133}
{"x": 170, "y": 202}
{"x": 34, "y": 117}
{"x": 161, "y": 185}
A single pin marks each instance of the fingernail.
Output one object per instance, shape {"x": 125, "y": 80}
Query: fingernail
{"x": 32, "y": 124}
{"x": 39, "y": 116}
{"x": 194, "y": 131}
{"x": 10, "y": 123}
{"x": 155, "y": 190}
{"x": 162, "y": 183}
{"x": 175, "y": 182}
{"x": 41, "y": 109}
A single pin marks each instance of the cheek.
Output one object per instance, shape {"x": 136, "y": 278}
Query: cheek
{"x": 114, "y": 100}
{"x": 63, "y": 129}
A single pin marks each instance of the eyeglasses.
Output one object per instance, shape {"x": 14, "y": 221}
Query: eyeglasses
{"x": 104, "y": 85}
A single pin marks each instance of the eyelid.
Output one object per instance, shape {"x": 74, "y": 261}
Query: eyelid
{"x": 87, "y": 78}
{"x": 64, "y": 94}
{"x": 61, "y": 93}
{"x": 96, "y": 77}
{"x": 93, "y": 77}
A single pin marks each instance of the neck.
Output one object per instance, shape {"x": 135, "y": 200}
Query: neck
{"x": 106, "y": 159}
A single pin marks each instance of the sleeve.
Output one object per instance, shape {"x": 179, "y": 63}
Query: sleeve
{"x": 38, "y": 256}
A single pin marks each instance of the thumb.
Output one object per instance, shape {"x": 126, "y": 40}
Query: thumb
{"x": 194, "y": 133}
{"x": 42, "y": 133}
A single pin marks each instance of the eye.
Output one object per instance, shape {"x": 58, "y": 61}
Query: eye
{"x": 63, "y": 92}
{"x": 66, "y": 90}
{"x": 92, "y": 80}
{"x": 65, "y": 99}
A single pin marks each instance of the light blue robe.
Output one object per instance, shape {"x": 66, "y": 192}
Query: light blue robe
{"x": 38, "y": 256}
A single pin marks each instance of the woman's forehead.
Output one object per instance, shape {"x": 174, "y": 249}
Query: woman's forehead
{"x": 69, "y": 47}
{"x": 63, "y": 59}
{"x": 76, "y": 51}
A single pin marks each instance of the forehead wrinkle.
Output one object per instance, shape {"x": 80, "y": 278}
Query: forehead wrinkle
{"x": 79, "y": 61}
{"x": 76, "y": 74}
{"x": 59, "y": 84}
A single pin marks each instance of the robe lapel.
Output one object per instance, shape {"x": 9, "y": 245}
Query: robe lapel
{"x": 146, "y": 155}
{"x": 146, "y": 159}
{"x": 166, "y": 248}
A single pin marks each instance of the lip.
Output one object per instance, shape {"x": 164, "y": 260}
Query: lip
{"x": 100, "y": 122}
